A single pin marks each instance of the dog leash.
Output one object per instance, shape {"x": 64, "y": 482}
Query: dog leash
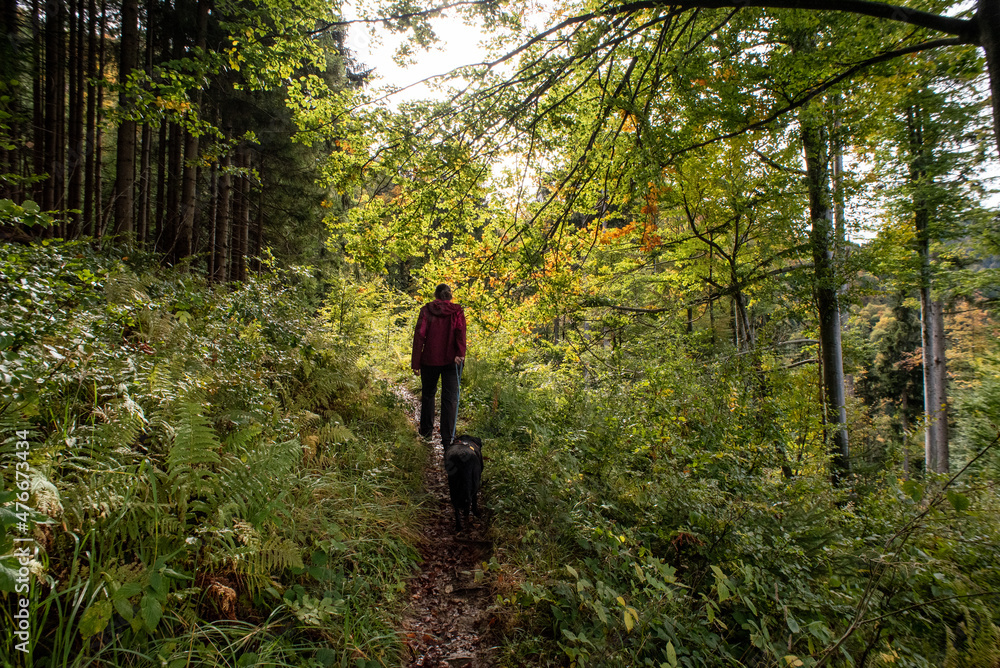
{"x": 458, "y": 395}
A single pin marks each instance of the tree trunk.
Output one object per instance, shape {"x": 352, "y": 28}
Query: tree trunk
{"x": 936, "y": 456}
{"x": 51, "y": 66}
{"x": 10, "y": 68}
{"x": 161, "y": 186}
{"x": 814, "y": 140}
{"x": 89, "y": 182}
{"x": 37, "y": 103}
{"x": 935, "y": 383}
{"x": 175, "y": 174}
{"x": 145, "y": 185}
{"x": 59, "y": 153}
{"x": 941, "y": 379}
{"x": 221, "y": 263}
{"x": 76, "y": 117}
{"x": 184, "y": 246}
{"x": 745, "y": 334}
{"x": 258, "y": 241}
{"x": 125, "y": 158}
{"x": 144, "y": 211}
{"x": 99, "y": 211}
{"x": 988, "y": 19}
{"x": 241, "y": 219}
{"x": 213, "y": 220}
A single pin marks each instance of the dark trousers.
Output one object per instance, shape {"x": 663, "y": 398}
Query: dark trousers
{"x": 449, "y": 400}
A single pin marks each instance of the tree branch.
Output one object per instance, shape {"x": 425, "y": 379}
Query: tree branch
{"x": 966, "y": 29}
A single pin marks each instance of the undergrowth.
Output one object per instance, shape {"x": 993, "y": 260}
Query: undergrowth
{"x": 215, "y": 479}
{"x": 663, "y": 510}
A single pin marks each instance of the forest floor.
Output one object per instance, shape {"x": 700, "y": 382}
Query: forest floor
{"x": 448, "y": 618}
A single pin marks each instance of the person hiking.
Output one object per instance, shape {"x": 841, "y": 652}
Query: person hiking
{"x": 439, "y": 352}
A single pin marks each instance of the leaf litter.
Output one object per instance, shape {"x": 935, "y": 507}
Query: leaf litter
{"x": 449, "y": 616}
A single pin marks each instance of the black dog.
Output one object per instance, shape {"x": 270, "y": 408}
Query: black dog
{"x": 463, "y": 462}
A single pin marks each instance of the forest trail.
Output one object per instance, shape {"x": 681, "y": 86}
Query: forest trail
{"x": 448, "y": 618}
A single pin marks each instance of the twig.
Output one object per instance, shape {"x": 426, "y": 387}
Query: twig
{"x": 904, "y": 532}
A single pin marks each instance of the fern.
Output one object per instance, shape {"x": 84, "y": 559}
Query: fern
{"x": 256, "y": 479}
{"x": 980, "y": 645}
{"x": 125, "y": 288}
{"x": 258, "y": 560}
{"x": 194, "y": 439}
{"x": 194, "y": 447}
{"x": 108, "y": 443}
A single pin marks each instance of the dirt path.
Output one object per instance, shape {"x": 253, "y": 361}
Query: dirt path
{"x": 449, "y": 598}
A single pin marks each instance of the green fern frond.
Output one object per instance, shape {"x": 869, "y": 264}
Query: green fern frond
{"x": 255, "y": 479}
{"x": 194, "y": 449}
{"x": 11, "y": 422}
{"x": 252, "y": 557}
{"x": 240, "y": 439}
{"x": 108, "y": 443}
{"x": 273, "y": 556}
{"x": 194, "y": 440}
{"x": 278, "y": 554}
{"x": 337, "y": 433}
{"x": 979, "y": 646}
{"x": 125, "y": 288}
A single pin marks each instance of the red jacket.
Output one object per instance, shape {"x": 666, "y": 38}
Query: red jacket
{"x": 439, "y": 336}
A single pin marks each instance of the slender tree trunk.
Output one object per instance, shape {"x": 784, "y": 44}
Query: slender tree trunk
{"x": 941, "y": 380}
{"x": 145, "y": 185}
{"x": 988, "y": 20}
{"x": 185, "y": 232}
{"x": 89, "y": 182}
{"x": 935, "y": 414}
{"x": 711, "y": 299}
{"x": 161, "y": 187}
{"x": 744, "y": 327}
{"x": 814, "y": 139}
{"x": 100, "y": 217}
{"x": 59, "y": 154}
{"x": 221, "y": 263}
{"x": 184, "y": 244}
{"x": 9, "y": 67}
{"x": 936, "y": 456}
{"x": 37, "y": 103}
{"x": 75, "y": 161}
{"x": 241, "y": 232}
{"x": 175, "y": 171}
{"x": 144, "y": 209}
{"x": 213, "y": 220}
{"x": 51, "y": 66}
{"x": 125, "y": 158}
{"x": 258, "y": 241}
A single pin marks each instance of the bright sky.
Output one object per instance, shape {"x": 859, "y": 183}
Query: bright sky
{"x": 375, "y": 46}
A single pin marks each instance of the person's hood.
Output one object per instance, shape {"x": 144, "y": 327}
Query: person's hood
{"x": 443, "y": 309}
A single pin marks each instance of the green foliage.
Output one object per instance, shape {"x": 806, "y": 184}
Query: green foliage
{"x": 977, "y": 407}
{"x": 644, "y": 518}
{"x": 27, "y": 214}
{"x": 196, "y": 456}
